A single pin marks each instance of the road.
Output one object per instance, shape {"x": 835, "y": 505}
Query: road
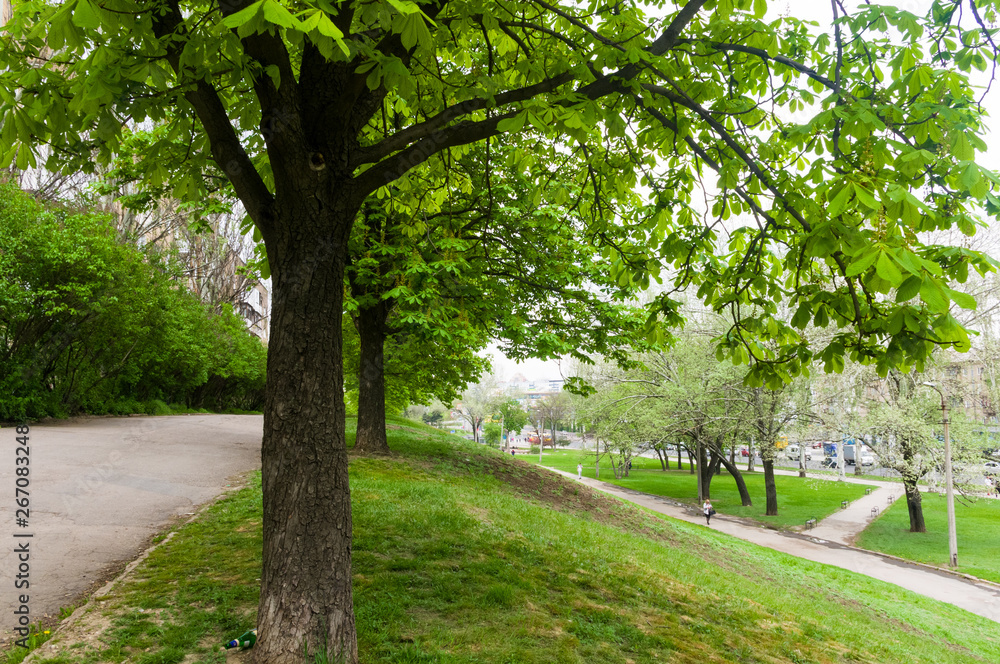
{"x": 100, "y": 488}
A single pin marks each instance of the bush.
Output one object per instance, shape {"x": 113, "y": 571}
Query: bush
{"x": 91, "y": 325}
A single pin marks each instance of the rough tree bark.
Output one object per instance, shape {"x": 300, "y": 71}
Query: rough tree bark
{"x": 306, "y": 595}
{"x": 914, "y": 506}
{"x": 770, "y": 490}
{"x": 741, "y": 484}
{"x": 371, "y": 437}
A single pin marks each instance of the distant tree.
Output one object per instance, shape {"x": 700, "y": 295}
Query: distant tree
{"x": 479, "y": 402}
{"x": 432, "y": 418}
{"x": 513, "y": 414}
{"x": 553, "y": 409}
{"x": 491, "y": 434}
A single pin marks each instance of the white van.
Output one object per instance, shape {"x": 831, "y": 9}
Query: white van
{"x": 792, "y": 452}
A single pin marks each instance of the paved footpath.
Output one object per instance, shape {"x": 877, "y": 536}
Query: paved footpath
{"x": 843, "y": 526}
{"x": 980, "y": 597}
{"x": 101, "y": 487}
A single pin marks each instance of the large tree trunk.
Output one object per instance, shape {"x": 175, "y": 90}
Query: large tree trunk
{"x": 741, "y": 484}
{"x": 770, "y": 490}
{"x": 306, "y": 600}
{"x": 371, "y": 438}
{"x": 914, "y": 506}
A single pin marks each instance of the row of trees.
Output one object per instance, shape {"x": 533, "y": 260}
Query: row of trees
{"x": 485, "y": 402}
{"x": 686, "y": 397}
{"x": 91, "y": 324}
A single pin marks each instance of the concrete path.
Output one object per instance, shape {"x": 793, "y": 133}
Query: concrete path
{"x": 980, "y": 597}
{"x": 101, "y": 488}
{"x": 845, "y": 525}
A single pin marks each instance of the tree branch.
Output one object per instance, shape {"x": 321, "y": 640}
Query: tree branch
{"x": 226, "y": 147}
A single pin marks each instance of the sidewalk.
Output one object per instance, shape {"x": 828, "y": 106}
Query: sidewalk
{"x": 843, "y": 526}
{"x": 979, "y": 597}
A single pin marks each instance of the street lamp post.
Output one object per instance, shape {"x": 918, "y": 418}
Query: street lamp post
{"x": 948, "y": 483}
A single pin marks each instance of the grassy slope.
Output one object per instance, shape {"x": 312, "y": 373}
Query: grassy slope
{"x": 463, "y": 555}
{"x": 976, "y": 526}
{"x": 798, "y": 499}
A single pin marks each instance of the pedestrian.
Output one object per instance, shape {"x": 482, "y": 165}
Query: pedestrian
{"x": 989, "y": 485}
{"x": 512, "y": 452}
{"x": 708, "y": 510}
{"x": 579, "y": 471}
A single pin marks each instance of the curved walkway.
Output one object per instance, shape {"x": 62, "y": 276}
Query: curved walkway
{"x": 102, "y": 487}
{"x": 979, "y": 597}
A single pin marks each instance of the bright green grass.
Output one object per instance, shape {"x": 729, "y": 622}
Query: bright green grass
{"x": 798, "y": 499}
{"x": 460, "y": 557}
{"x": 977, "y": 527}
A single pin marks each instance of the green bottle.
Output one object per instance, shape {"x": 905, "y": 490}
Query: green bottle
{"x": 244, "y": 642}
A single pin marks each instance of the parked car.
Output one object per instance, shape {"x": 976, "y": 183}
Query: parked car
{"x": 792, "y": 452}
{"x": 992, "y": 465}
{"x": 744, "y": 452}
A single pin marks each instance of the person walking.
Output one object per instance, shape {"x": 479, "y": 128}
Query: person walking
{"x": 708, "y": 510}
{"x": 579, "y": 471}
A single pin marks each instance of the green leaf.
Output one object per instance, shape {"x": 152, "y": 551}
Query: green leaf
{"x": 866, "y": 197}
{"x": 963, "y": 300}
{"x": 863, "y": 263}
{"x": 839, "y": 202}
{"x": 933, "y": 294}
{"x": 886, "y": 268}
{"x": 908, "y": 289}
{"x": 242, "y": 16}
{"x": 275, "y": 12}
{"x": 513, "y": 124}
{"x": 85, "y": 15}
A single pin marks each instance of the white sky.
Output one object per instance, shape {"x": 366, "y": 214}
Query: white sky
{"x": 814, "y": 10}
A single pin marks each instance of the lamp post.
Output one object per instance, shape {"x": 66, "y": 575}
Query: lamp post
{"x": 948, "y": 484}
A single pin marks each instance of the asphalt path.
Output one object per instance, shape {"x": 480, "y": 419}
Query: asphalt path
{"x": 100, "y": 488}
{"x": 980, "y": 597}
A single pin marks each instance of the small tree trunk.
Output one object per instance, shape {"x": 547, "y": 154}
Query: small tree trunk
{"x": 802, "y": 460}
{"x": 914, "y": 506}
{"x": 770, "y": 490}
{"x": 679, "y": 466}
{"x": 701, "y": 474}
{"x": 750, "y": 457}
{"x": 371, "y": 438}
{"x": 741, "y": 484}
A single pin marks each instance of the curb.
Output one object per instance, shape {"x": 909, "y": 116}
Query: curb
{"x": 102, "y": 592}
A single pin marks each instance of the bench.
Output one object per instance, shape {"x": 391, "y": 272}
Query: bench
{"x": 811, "y": 523}
{"x": 843, "y": 504}
{"x": 875, "y": 511}
{"x": 868, "y": 491}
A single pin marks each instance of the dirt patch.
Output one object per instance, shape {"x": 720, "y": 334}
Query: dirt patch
{"x": 568, "y": 496}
